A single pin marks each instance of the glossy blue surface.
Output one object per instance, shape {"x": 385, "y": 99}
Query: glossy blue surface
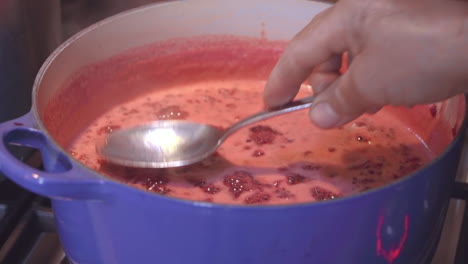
{"x": 101, "y": 221}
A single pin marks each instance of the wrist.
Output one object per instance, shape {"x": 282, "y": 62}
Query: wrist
{"x": 464, "y": 51}
{"x": 460, "y": 45}
{"x": 463, "y": 47}
{"x": 453, "y": 32}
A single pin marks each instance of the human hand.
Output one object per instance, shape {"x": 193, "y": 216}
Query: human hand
{"x": 402, "y": 53}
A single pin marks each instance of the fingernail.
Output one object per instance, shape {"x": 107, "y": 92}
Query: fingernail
{"x": 324, "y": 116}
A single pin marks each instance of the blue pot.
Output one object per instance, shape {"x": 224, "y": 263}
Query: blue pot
{"x": 100, "y": 220}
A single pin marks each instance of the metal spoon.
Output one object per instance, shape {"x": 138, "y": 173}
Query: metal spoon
{"x": 174, "y": 143}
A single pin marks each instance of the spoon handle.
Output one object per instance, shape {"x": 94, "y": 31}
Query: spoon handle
{"x": 287, "y": 108}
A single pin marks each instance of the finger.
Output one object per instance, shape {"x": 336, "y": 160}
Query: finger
{"x": 333, "y": 64}
{"x": 342, "y": 102}
{"x": 325, "y": 74}
{"x": 320, "y": 81}
{"x": 316, "y": 43}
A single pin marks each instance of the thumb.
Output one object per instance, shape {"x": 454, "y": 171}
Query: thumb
{"x": 342, "y": 102}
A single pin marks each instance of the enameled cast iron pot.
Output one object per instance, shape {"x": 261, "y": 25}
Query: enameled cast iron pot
{"x": 102, "y": 221}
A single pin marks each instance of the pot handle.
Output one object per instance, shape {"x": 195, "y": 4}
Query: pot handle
{"x": 61, "y": 179}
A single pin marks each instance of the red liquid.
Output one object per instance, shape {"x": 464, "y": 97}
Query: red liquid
{"x": 282, "y": 160}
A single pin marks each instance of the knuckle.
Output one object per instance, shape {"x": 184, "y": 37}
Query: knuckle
{"x": 354, "y": 96}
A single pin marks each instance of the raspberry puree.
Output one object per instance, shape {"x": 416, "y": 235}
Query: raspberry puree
{"x": 219, "y": 81}
{"x": 282, "y": 160}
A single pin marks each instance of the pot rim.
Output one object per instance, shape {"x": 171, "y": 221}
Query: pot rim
{"x": 34, "y": 109}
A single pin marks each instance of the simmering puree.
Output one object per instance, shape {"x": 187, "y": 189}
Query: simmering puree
{"x": 283, "y": 160}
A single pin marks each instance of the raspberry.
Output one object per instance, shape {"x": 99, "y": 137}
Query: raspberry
{"x": 295, "y": 178}
{"x": 362, "y": 139}
{"x": 152, "y": 180}
{"x": 311, "y": 167}
{"x": 239, "y": 182}
{"x": 107, "y": 129}
{"x": 262, "y": 134}
{"x": 321, "y": 194}
{"x": 282, "y": 193}
{"x": 227, "y": 92}
{"x": 171, "y": 112}
{"x": 211, "y": 189}
{"x": 258, "y": 197}
{"x": 258, "y": 153}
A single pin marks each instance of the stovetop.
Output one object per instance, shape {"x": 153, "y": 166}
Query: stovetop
{"x": 27, "y": 228}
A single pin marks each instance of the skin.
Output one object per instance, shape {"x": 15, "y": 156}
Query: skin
{"x": 400, "y": 52}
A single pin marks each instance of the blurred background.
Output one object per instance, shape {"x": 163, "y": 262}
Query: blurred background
{"x": 77, "y": 14}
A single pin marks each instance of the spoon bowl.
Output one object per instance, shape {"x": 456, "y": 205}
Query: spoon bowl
{"x": 161, "y": 144}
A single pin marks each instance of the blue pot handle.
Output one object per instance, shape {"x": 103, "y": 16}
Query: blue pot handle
{"x": 62, "y": 179}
